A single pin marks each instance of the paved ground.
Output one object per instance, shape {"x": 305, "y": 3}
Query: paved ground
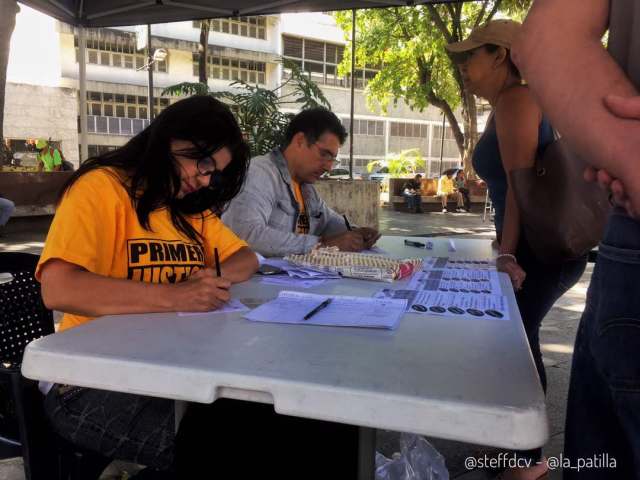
{"x": 557, "y": 336}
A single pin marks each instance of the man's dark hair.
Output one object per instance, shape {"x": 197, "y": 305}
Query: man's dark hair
{"x": 315, "y": 122}
{"x": 418, "y": 175}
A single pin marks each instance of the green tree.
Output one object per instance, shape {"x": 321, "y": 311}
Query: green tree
{"x": 406, "y": 162}
{"x": 259, "y": 110}
{"x": 407, "y": 43}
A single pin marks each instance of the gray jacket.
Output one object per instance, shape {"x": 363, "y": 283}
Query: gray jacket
{"x": 265, "y": 212}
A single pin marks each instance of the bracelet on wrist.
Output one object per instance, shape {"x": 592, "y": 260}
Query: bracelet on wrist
{"x": 507, "y": 255}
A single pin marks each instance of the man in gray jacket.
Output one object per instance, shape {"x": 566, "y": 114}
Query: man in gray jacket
{"x": 278, "y": 212}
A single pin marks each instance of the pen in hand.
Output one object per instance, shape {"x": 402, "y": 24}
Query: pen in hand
{"x": 346, "y": 222}
{"x": 217, "y": 260}
{"x": 322, "y": 306}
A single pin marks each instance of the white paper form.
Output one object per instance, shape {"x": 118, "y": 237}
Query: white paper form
{"x": 296, "y": 271}
{"x": 231, "y": 306}
{"x": 439, "y": 263}
{"x": 343, "y": 311}
{"x": 446, "y": 304}
{"x": 456, "y": 281}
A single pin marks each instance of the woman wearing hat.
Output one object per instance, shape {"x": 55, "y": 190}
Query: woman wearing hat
{"x": 516, "y": 133}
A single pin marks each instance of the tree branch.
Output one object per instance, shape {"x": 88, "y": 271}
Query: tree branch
{"x": 439, "y": 22}
{"x": 494, "y": 10}
{"x": 478, "y": 21}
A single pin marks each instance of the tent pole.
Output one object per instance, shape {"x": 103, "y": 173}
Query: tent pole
{"x": 150, "y": 101}
{"x": 353, "y": 85}
{"x": 82, "y": 80}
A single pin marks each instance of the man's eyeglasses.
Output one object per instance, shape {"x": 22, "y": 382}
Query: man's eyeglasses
{"x": 327, "y": 155}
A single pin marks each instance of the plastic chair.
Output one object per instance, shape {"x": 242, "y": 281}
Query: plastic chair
{"x": 488, "y": 208}
{"x": 24, "y": 428}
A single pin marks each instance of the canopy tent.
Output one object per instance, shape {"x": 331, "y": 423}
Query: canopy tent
{"x": 111, "y": 13}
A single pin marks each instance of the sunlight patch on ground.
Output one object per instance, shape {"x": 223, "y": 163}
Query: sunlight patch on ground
{"x": 557, "y": 348}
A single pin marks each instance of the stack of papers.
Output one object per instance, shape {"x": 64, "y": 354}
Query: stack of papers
{"x": 343, "y": 311}
{"x": 295, "y": 271}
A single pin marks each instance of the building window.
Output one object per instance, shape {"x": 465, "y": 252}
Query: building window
{"x": 411, "y": 130}
{"x": 320, "y": 61}
{"x": 104, "y": 104}
{"x": 115, "y": 49}
{"x": 365, "y": 127}
{"x": 97, "y": 150}
{"x": 232, "y": 69}
{"x": 252, "y": 27}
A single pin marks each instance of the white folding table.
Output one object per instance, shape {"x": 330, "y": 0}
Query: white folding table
{"x": 459, "y": 379}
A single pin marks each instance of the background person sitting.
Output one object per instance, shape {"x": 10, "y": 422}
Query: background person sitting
{"x": 412, "y": 194}
{"x": 446, "y": 189}
{"x": 7, "y": 207}
{"x": 460, "y": 183}
{"x": 49, "y": 158}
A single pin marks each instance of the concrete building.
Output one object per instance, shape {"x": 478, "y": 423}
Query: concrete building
{"x": 42, "y": 91}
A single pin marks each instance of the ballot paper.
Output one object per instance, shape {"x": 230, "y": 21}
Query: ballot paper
{"x": 439, "y": 263}
{"x": 456, "y": 281}
{"x": 343, "y": 311}
{"x": 446, "y": 304}
{"x": 230, "y": 307}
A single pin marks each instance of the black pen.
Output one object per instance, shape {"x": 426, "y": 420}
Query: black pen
{"x": 323, "y": 305}
{"x": 346, "y": 222}
{"x": 217, "y": 259}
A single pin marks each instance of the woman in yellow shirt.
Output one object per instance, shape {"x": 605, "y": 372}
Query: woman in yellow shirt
{"x": 134, "y": 232}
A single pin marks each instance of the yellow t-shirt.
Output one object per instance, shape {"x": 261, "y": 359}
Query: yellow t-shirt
{"x": 445, "y": 185}
{"x": 302, "y": 223}
{"x": 96, "y": 227}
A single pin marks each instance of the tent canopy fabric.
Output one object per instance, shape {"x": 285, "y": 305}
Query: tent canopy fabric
{"x": 112, "y": 13}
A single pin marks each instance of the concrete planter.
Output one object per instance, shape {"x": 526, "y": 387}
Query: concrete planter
{"x": 359, "y": 200}
{"x": 34, "y": 193}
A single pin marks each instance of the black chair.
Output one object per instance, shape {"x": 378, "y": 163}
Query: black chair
{"x": 24, "y": 428}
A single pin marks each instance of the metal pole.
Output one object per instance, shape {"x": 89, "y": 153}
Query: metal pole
{"x": 150, "y": 77}
{"x": 353, "y": 86}
{"x": 442, "y": 142}
{"x": 82, "y": 80}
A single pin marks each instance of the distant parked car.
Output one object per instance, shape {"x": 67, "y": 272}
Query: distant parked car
{"x": 340, "y": 174}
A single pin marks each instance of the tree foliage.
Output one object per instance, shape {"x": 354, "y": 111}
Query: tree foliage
{"x": 405, "y": 162}
{"x": 407, "y": 44}
{"x": 259, "y": 110}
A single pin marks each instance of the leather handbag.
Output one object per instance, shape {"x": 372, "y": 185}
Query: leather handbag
{"x": 562, "y": 215}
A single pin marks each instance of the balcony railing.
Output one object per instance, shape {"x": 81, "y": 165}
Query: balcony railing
{"x": 115, "y": 125}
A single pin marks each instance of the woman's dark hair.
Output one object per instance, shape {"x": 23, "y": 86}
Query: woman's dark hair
{"x": 148, "y": 168}
{"x": 315, "y": 122}
{"x": 491, "y": 48}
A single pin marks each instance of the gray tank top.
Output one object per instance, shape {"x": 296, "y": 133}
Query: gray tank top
{"x": 624, "y": 37}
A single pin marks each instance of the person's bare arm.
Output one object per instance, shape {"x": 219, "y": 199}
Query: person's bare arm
{"x": 240, "y": 266}
{"x": 517, "y": 124}
{"x": 72, "y": 289}
{"x": 561, "y": 55}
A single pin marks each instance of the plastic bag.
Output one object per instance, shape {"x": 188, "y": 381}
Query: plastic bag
{"x": 417, "y": 460}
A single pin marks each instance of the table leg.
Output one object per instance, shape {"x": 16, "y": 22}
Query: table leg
{"x": 366, "y": 453}
{"x": 180, "y": 409}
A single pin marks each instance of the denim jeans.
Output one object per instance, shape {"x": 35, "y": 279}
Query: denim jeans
{"x": 413, "y": 201}
{"x": 603, "y": 411}
{"x": 543, "y": 286}
{"x": 7, "y": 207}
